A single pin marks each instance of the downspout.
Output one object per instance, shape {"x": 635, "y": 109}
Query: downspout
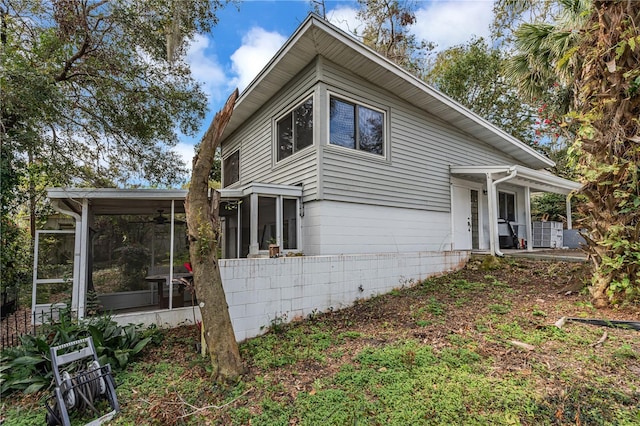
{"x": 494, "y": 187}
{"x": 77, "y": 252}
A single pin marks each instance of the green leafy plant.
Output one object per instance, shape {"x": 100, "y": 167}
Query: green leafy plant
{"x": 27, "y": 367}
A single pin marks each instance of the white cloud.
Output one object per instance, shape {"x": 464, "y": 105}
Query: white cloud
{"x": 258, "y": 47}
{"x": 186, "y": 152}
{"x": 450, "y": 23}
{"x": 345, "y": 18}
{"x": 206, "y": 69}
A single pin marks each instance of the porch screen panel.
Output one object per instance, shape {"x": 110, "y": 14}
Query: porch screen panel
{"x": 55, "y": 255}
{"x": 245, "y": 226}
{"x": 53, "y": 278}
{"x": 266, "y": 222}
{"x": 289, "y": 224}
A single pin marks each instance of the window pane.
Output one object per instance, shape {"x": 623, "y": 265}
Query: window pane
{"x": 370, "y": 125}
{"x": 289, "y": 224}
{"x": 511, "y": 207}
{"x": 231, "y": 169}
{"x": 266, "y": 222}
{"x": 285, "y": 137}
{"x": 342, "y": 124}
{"x": 304, "y": 124}
{"x": 507, "y": 206}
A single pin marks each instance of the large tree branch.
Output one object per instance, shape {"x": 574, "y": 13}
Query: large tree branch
{"x": 63, "y": 76}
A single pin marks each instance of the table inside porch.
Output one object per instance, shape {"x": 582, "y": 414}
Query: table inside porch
{"x": 163, "y": 281}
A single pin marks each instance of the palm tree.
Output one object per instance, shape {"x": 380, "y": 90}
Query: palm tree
{"x": 588, "y": 52}
{"x": 546, "y": 56}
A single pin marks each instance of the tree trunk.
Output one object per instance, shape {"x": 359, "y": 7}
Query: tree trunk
{"x": 607, "y": 148}
{"x": 204, "y": 229}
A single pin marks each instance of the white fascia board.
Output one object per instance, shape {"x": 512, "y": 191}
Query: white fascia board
{"x": 109, "y": 193}
{"x": 548, "y": 178}
{"x": 542, "y": 180}
{"x": 261, "y": 189}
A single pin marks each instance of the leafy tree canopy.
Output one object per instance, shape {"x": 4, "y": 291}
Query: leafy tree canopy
{"x": 387, "y": 25}
{"x": 472, "y": 74}
{"x": 97, "y": 89}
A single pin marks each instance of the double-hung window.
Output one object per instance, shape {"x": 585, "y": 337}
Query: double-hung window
{"x": 295, "y": 130}
{"x": 356, "y": 126}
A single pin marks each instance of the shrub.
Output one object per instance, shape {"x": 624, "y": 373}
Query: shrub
{"x": 27, "y": 367}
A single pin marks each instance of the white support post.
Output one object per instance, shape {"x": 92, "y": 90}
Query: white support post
{"x": 493, "y": 219}
{"x": 568, "y": 202}
{"x": 238, "y": 229}
{"x": 527, "y": 213}
{"x": 173, "y": 213}
{"x": 279, "y": 236}
{"x": 83, "y": 276}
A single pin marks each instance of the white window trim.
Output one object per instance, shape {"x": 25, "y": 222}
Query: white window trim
{"x": 357, "y": 101}
{"x": 274, "y": 128}
{"x": 279, "y": 223}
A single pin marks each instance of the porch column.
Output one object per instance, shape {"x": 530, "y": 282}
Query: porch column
{"x": 78, "y": 304}
{"x": 527, "y": 214}
{"x": 171, "y": 242}
{"x": 254, "y": 248}
{"x": 493, "y": 219}
{"x": 279, "y": 236}
{"x": 568, "y": 202}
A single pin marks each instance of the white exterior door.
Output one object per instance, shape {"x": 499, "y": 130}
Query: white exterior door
{"x": 462, "y": 220}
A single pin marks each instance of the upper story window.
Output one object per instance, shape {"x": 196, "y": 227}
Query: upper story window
{"x": 295, "y": 130}
{"x": 356, "y": 126}
{"x": 231, "y": 169}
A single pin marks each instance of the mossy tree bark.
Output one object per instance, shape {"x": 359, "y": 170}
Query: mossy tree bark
{"x": 607, "y": 148}
{"x": 204, "y": 227}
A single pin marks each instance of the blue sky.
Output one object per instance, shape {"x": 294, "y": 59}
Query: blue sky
{"x": 248, "y": 36}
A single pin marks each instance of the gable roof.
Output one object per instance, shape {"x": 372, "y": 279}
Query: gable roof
{"x": 315, "y": 36}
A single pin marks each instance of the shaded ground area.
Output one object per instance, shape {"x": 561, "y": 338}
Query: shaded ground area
{"x": 479, "y": 326}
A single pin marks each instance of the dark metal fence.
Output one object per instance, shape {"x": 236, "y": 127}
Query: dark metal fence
{"x": 23, "y": 322}
{"x": 14, "y": 326}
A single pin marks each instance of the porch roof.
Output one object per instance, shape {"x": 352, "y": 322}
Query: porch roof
{"x": 538, "y": 180}
{"x": 114, "y": 201}
{"x": 119, "y": 201}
